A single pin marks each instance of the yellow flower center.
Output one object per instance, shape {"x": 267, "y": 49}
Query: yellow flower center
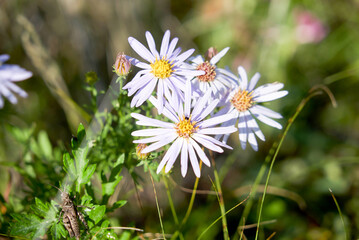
{"x": 210, "y": 72}
{"x": 242, "y": 100}
{"x": 162, "y": 68}
{"x": 185, "y": 127}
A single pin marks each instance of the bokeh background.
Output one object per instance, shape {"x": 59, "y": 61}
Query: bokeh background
{"x": 300, "y": 43}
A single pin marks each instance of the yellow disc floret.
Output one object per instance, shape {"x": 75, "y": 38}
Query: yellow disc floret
{"x": 242, "y": 100}
{"x": 162, "y": 68}
{"x": 185, "y": 127}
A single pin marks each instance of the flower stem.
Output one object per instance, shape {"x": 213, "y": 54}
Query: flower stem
{"x": 220, "y": 199}
{"x": 192, "y": 198}
{"x": 173, "y": 210}
{"x": 158, "y": 207}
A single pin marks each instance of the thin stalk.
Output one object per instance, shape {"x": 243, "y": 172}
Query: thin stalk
{"x": 158, "y": 208}
{"x": 289, "y": 124}
{"x": 340, "y": 213}
{"x": 173, "y": 210}
{"x": 220, "y": 199}
{"x": 189, "y": 209}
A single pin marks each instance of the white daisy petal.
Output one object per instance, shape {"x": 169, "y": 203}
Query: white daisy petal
{"x": 200, "y": 105}
{"x": 177, "y": 145}
{"x": 160, "y": 96}
{"x": 184, "y": 158}
{"x": 208, "y": 110}
{"x": 187, "y": 103}
{"x": 141, "y": 50}
{"x": 253, "y": 126}
{"x": 146, "y": 121}
{"x": 253, "y": 82}
{"x": 146, "y": 92}
{"x": 217, "y": 130}
{"x": 172, "y": 46}
{"x": 194, "y": 161}
{"x": 164, "y": 44}
{"x": 218, "y": 56}
{"x": 184, "y": 55}
{"x": 252, "y": 141}
{"x": 268, "y": 121}
{"x": 166, "y": 111}
{"x": 153, "y": 139}
{"x": 159, "y": 144}
{"x": 200, "y": 152}
{"x": 16, "y": 89}
{"x": 150, "y": 132}
{"x": 7, "y": 94}
{"x": 165, "y": 159}
{"x": 267, "y": 88}
{"x": 242, "y": 128}
{"x": 243, "y": 76}
{"x": 213, "y": 140}
{"x": 152, "y": 44}
{"x": 270, "y": 96}
{"x": 197, "y": 59}
{"x": 257, "y": 109}
{"x": 216, "y": 120}
{"x": 206, "y": 143}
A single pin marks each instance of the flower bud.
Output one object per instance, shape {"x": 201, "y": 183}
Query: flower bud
{"x": 211, "y": 52}
{"x": 139, "y": 153}
{"x": 122, "y": 65}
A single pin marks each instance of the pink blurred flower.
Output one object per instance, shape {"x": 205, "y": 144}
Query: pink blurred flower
{"x": 309, "y": 29}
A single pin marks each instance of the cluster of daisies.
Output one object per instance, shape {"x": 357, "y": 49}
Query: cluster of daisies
{"x": 204, "y": 103}
{"x": 10, "y": 73}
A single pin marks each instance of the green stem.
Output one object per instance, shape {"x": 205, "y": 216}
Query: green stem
{"x": 173, "y": 210}
{"x": 289, "y": 124}
{"x": 220, "y": 199}
{"x": 192, "y": 198}
{"x": 158, "y": 207}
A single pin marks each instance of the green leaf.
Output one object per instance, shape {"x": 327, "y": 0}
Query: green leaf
{"x": 109, "y": 187}
{"x": 97, "y": 213}
{"x": 87, "y": 174}
{"x": 58, "y": 231}
{"x": 81, "y": 133}
{"x": 40, "y": 208}
{"x": 69, "y": 165}
{"x": 44, "y": 143}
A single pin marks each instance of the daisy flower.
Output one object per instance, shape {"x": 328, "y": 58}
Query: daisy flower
{"x": 9, "y": 74}
{"x": 243, "y": 103}
{"x": 187, "y": 130}
{"x": 214, "y": 79}
{"x": 165, "y": 69}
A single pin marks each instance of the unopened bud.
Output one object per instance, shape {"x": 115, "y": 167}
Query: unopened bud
{"x": 122, "y": 65}
{"x": 211, "y": 52}
{"x": 139, "y": 153}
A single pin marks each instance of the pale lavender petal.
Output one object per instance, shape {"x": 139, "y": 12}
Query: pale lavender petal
{"x": 166, "y": 111}
{"x": 209, "y": 109}
{"x": 177, "y": 145}
{"x": 136, "y": 78}
{"x": 146, "y": 92}
{"x": 253, "y": 82}
{"x": 212, "y": 140}
{"x": 218, "y": 56}
{"x": 172, "y": 47}
{"x": 252, "y": 141}
{"x": 141, "y": 82}
{"x": 143, "y": 65}
{"x": 146, "y": 121}
{"x": 164, "y": 44}
{"x": 160, "y": 96}
{"x": 200, "y": 152}
{"x": 6, "y": 93}
{"x": 16, "y": 89}
{"x": 267, "y": 88}
{"x": 150, "y": 132}
{"x": 194, "y": 161}
{"x": 184, "y": 158}
{"x": 242, "y": 128}
{"x": 217, "y": 130}
{"x": 187, "y": 97}
{"x": 216, "y": 120}
{"x": 257, "y": 109}
{"x": 185, "y": 55}
{"x": 1, "y": 102}
{"x": 173, "y": 56}
{"x": 200, "y": 105}
{"x": 159, "y": 144}
{"x": 243, "y": 77}
{"x": 4, "y": 57}
{"x": 270, "y": 96}
{"x": 253, "y": 126}
{"x": 165, "y": 159}
{"x": 206, "y": 143}
{"x": 152, "y": 44}
{"x": 154, "y": 138}
{"x": 197, "y": 59}
{"x": 268, "y": 121}
{"x": 141, "y": 50}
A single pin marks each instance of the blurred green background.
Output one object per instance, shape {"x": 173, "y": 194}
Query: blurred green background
{"x": 299, "y": 43}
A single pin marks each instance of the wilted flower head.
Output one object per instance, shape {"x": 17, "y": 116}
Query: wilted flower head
{"x": 187, "y": 130}
{"x": 9, "y": 74}
{"x": 243, "y": 103}
{"x": 165, "y": 69}
{"x": 122, "y": 65}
